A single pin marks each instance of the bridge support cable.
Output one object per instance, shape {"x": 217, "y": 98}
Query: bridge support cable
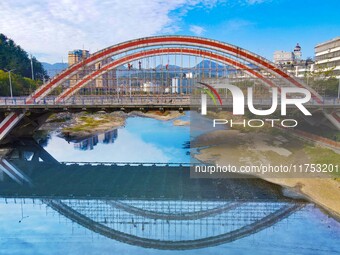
{"x": 154, "y": 52}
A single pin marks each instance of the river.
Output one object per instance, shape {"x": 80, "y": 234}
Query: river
{"x": 95, "y": 206}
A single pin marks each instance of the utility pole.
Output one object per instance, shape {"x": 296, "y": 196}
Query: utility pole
{"x": 32, "y": 67}
{"x": 339, "y": 90}
{"x": 10, "y": 81}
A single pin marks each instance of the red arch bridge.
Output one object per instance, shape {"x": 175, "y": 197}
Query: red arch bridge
{"x": 158, "y": 72}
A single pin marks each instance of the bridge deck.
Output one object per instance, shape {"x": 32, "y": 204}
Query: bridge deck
{"x": 145, "y": 102}
{"x": 130, "y": 182}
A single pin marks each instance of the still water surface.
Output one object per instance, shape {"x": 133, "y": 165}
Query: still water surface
{"x": 141, "y": 140}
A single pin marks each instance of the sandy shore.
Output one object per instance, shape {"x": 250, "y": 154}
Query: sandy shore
{"x": 323, "y": 191}
{"x": 236, "y": 148}
{"x": 181, "y": 123}
{"x": 167, "y": 115}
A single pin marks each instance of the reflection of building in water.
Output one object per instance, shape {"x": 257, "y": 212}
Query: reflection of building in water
{"x": 108, "y": 137}
{"x": 105, "y": 138}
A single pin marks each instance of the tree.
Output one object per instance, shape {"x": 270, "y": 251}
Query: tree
{"x": 20, "y": 85}
{"x": 323, "y": 80}
{"x": 12, "y": 56}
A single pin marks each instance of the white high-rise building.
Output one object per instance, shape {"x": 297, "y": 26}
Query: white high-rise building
{"x": 76, "y": 56}
{"x": 327, "y": 56}
{"x": 288, "y": 58}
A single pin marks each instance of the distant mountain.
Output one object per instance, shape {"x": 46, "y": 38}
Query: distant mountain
{"x": 169, "y": 67}
{"x": 207, "y": 65}
{"x": 124, "y": 72}
{"x": 53, "y": 69}
{"x": 221, "y": 68}
{"x": 174, "y": 70}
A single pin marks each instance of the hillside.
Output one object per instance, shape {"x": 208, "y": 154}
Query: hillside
{"x": 14, "y": 58}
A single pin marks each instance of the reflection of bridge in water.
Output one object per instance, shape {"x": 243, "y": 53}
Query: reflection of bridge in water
{"x": 154, "y": 206}
{"x": 174, "y": 225}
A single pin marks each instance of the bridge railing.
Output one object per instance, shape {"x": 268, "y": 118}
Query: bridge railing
{"x": 268, "y": 101}
{"x": 143, "y": 100}
{"x": 100, "y": 100}
{"x": 146, "y": 164}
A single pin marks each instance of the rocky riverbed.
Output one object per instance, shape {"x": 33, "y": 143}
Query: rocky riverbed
{"x": 77, "y": 126}
{"x": 237, "y": 148}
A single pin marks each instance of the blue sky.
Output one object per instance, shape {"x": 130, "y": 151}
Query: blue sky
{"x": 270, "y": 25}
{"x": 49, "y": 29}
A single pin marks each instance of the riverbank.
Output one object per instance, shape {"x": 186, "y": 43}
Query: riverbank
{"x": 88, "y": 125}
{"x": 78, "y": 126}
{"x": 237, "y": 148}
{"x": 158, "y": 115}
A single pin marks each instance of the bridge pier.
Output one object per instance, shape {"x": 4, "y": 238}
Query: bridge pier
{"x": 17, "y": 125}
{"x": 334, "y": 118}
{"x": 8, "y": 123}
{"x": 323, "y": 117}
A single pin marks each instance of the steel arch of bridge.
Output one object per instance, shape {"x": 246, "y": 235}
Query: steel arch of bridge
{"x": 156, "y": 52}
{"x": 161, "y": 41}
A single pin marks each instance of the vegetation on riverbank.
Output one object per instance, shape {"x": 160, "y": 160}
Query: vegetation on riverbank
{"x": 86, "y": 125}
{"x": 327, "y": 156}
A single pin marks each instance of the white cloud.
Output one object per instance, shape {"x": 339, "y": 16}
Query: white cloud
{"x": 256, "y": 1}
{"x": 50, "y": 29}
{"x": 237, "y": 24}
{"x": 197, "y": 30}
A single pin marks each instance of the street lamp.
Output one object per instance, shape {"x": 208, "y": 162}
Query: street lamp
{"x": 339, "y": 90}
{"x": 10, "y": 80}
